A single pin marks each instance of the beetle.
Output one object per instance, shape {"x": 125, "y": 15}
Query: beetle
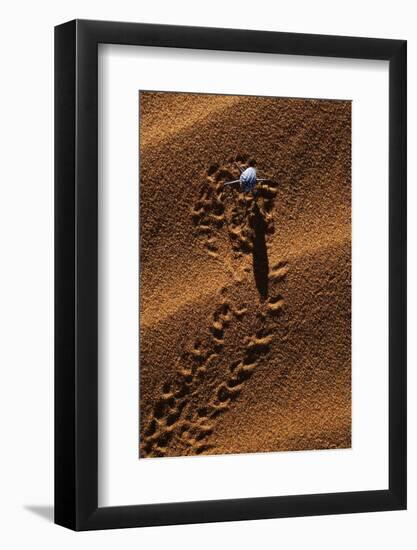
{"x": 247, "y": 179}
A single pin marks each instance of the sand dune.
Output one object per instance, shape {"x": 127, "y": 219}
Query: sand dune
{"x": 245, "y": 303}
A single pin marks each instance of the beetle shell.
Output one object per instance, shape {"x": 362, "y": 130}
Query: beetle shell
{"x": 248, "y": 179}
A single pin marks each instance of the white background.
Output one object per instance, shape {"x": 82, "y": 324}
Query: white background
{"x": 26, "y": 399}
{"x": 123, "y": 479}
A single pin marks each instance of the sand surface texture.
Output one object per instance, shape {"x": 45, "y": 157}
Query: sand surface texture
{"x": 245, "y": 302}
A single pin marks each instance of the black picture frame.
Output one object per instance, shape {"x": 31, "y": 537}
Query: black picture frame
{"x": 76, "y": 272}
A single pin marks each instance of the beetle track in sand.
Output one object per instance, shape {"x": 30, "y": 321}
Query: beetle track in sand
{"x": 174, "y": 418}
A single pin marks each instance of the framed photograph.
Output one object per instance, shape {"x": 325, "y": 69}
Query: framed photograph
{"x": 230, "y": 248}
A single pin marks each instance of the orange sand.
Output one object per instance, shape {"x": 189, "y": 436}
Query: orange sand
{"x": 245, "y": 305}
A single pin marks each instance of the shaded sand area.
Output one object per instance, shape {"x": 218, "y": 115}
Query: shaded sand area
{"x": 245, "y": 303}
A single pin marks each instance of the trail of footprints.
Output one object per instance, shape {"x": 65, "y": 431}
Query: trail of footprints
{"x": 176, "y": 426}
{"x": 173, "y": 418}
{"x": 217, "y": 206}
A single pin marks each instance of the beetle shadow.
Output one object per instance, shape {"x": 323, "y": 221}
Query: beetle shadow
{"x": 260, "y": 253}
